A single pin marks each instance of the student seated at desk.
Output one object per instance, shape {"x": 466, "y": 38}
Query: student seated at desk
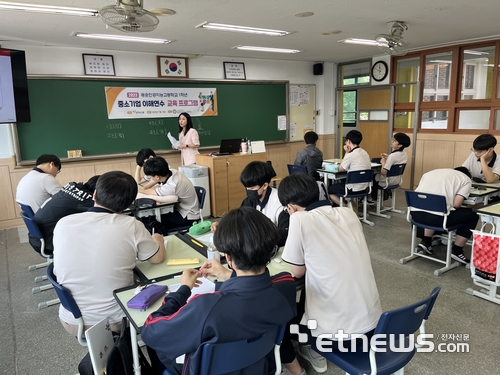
{"x": 174, "y": 186}
{"x": 355, "y": 159}
{"x": 95, "y": 252}
{"x": 455, "y": 185}
{"x": 398, "y": 156}
{"x": 483, "y": 163}
{"x": 256, "y": 178}
{"x": 40, "y": 183}
{"x": 140, "y": 159}
{"x": 328, "y": 246}
{"x": 311, "y": 157}
{"x": 73, "y": 198}
{"x": 247, "y": 304}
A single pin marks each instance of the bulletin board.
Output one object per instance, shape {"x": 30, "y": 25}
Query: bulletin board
{"x": 302, "y": 102}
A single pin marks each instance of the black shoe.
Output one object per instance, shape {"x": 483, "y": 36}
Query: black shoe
{"x": 460, "y": 257}
{"x": 425, "y": 249}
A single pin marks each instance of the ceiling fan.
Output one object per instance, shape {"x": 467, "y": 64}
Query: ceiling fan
{"x": 393, "y": 44}
{"x": 129, "y": 16}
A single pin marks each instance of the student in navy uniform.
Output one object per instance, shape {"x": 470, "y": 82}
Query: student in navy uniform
{"x": 310, "y": 157}
{"x": 247, "y": 304}
{"x": 483, "y": 163}
{"x": 73, "y": 198}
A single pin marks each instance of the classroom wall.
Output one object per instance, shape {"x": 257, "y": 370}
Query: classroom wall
{"x": 49, "y": 60}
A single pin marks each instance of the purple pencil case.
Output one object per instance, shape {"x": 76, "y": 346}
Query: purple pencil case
{"x": 146, "y": 297}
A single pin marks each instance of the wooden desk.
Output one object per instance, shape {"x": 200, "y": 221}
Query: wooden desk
{"x": 226, "y": 190}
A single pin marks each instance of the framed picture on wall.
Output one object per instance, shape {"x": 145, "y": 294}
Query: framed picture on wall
{"x": 98, "y": 65}
{"x": 234, "y": 70}
{"x": 172, "y": 67}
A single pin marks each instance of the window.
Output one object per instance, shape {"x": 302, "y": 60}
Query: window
{"x": 474, "y": 119}
{"x": 434, "y": 120}
{"x": 403, "y": 120}
{"x": 349, "y": 104}
{"x": 355, "y": 74}
{"x": 459, "y": 89}
{"x": 478, "y": 69}
{"x": 437, "y": 77}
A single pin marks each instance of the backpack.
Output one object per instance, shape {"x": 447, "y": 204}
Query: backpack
{"x": 120, "y": 360}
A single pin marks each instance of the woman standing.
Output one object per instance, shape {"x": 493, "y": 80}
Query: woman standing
{"x": 189, "y": 141}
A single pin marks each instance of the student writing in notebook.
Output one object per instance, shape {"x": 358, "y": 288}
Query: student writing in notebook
{"x": 247, "y": 304}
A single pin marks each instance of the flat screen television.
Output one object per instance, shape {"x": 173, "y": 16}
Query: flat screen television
{"x": 14, "y": 99}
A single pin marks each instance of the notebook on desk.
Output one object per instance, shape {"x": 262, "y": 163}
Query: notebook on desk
{"x": 228, "y": 147}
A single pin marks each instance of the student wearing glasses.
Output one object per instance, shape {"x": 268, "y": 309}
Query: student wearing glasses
{"x": 40, "y": 183}
{"x": 483, "y": 163}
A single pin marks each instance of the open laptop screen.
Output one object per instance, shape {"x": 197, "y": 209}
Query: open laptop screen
{"x": 230, "y": 146}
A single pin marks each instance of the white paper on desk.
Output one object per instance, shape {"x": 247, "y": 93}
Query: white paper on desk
{"x": 175, "y": 142}
{"x": 206, "y": 237}
{"x": 207, "y": 287}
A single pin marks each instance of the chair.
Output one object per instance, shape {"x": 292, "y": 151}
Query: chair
{"x": 68, "y": 302}
{"x": 27, "y": 209}
{"x": 435, "y": 204}
{"x": 396, "y": 170}
{"x": 403, "y": 321}
{"x": 357, "y": 177}
{"x": 222, "y": 358}
{"x": 201, "y": 194}
{"x": 292, "y": 168}
{"x": 35, "y": 231}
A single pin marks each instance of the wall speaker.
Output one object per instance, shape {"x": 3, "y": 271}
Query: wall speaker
{"x": 318, "y": 69}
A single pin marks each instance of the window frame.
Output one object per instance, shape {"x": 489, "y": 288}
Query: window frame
{"x": 454, "y": 103}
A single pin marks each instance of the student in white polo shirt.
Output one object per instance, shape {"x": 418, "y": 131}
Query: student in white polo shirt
{"x": 96, "y": 251}
{"x": 455, "y": 185}
{"x": 483, "y": 163}
{"x": 40, "y": 183}
{"x": 174, "y": 186}
{"x": 328, "y": 246}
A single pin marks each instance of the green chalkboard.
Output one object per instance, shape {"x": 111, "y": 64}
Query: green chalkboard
{"x": 70, "y": 114}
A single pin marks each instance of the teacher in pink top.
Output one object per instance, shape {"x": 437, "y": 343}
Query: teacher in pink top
{"x": 189, "y": 141}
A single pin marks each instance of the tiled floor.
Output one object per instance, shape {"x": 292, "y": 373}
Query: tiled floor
{"x": 33, "y": 342}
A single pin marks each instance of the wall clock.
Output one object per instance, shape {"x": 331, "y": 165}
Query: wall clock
{"x": 380, "y": 71}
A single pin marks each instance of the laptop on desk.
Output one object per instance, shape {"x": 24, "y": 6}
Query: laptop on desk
{"x": 228, "y": 147}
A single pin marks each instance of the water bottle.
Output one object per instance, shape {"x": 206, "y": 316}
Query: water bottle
{"x": 249, "y": 147}
{"x": 212, "y": 252}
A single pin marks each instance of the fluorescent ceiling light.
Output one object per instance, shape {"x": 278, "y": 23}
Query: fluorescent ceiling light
{"x": 470, "y": 52}
{"x": 267, "y": 49}
{"x": 441, "y": 61}
{"x": 123, "y": 38}
{"x": 365, "y": 42}
{"x": 242, "y": 29}
{"x": 49, "y": 9}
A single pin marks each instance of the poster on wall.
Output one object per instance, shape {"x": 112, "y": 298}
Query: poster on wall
{"x": 299, "y": 95}
{"x": 154, "y": 102}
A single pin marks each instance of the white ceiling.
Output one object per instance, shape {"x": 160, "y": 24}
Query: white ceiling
{"x": 431, "y": 22}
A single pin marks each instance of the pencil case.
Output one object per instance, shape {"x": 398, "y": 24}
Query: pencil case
{"x": 146, "y": 297}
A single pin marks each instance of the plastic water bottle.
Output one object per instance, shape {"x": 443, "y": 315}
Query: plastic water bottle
{"x": 249, "y": 147}
{"x": 212, "y": 252}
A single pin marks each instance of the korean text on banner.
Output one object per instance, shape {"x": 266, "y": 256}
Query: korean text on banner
{"x": 154, "y": 102}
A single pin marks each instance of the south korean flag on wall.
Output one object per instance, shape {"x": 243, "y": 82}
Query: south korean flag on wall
{"x": 173, "y": 67}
